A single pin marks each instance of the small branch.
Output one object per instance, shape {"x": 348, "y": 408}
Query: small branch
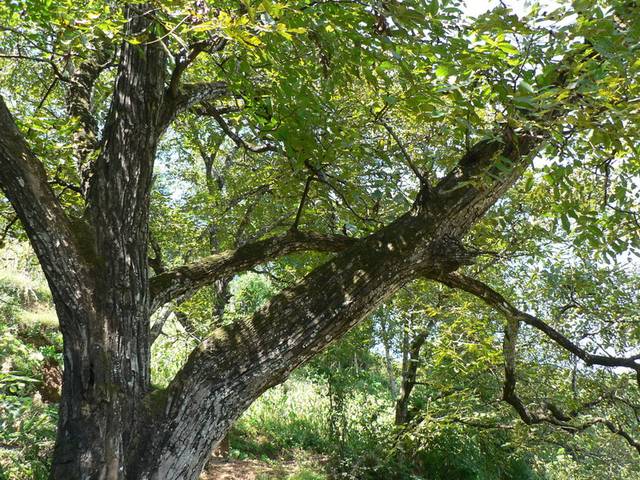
{"x": 303, "y": 200}
{"x": 272, "y": 276}
{"x": 237, "y": 139}
{"x": 246, "y": 218}
{"x": 423, "y": 179}
{"x": 322, "y": 178}
{"x": 557, "y": 417}
{"x": 54, "y": 67}
{"x": 63, "y": 183}
{"x": 7, "y": 228}
{"x": 187, "y": 57}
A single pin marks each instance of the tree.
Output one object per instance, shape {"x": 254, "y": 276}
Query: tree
{"x": 340, "y": 105}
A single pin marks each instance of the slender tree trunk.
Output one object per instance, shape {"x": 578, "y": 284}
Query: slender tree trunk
{"x": 409, "y": 374}
{"x": 388, "y": 359}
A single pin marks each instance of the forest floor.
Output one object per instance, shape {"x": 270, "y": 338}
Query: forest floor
{"x": 247, "y": 470}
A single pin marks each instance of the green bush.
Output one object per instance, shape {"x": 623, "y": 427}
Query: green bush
{"x": 290, "y": 416}
{"x": 27, "y": 434}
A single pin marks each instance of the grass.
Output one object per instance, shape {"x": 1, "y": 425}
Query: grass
{"x": 288, "y": 417}
{"x": 42, "y": 317}
{"x": 302, "y": 474}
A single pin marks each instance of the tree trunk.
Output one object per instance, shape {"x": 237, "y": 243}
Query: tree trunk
{"x": 388, "y": 359}
{"x": 106, "y": 342}
{"x": 409, "y": 374}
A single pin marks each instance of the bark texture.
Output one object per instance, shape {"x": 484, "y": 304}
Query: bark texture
{"x": 106, "y": 348}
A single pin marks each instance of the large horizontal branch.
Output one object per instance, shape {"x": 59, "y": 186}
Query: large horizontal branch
{"x": 185, "y": 279}
{"x": 500, "y": 303}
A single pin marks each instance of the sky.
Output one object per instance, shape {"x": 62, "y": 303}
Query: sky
{"x": 520, "y": 7}
{"x": 477, "y": 7}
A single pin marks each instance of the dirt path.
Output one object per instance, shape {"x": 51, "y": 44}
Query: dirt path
{"x": 247, "y": 470}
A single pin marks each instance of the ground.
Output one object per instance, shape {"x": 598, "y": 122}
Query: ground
{"x": 247, "y": 470}
{"x": 251, "y": 469}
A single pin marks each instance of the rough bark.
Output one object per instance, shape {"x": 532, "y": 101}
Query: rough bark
{"x": 106, "y": 348}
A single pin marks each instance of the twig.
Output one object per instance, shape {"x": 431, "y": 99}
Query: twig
{"x": 296, "y": 222}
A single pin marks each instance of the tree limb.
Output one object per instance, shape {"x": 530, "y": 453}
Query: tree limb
{"x": 188, "y": 96}
{"x": 416, "y": 171}
{"x": 79, "y": 99}
{"x": 557, "y": 417}
{"x": 496, "y": 300}
{"x": 303, "y": 200}
{"x": 182, "y": 280}
{"x": 24, "y": 182}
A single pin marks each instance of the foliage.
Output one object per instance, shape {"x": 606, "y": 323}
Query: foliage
{"x": 28, "y": 335}
{"x": 27, "y": 429}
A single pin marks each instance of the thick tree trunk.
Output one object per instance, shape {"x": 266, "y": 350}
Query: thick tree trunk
{"x": 106, "y": 343}
{"x": 102, "y": 387}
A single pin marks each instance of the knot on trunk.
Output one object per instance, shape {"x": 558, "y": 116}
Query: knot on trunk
{"x": 448, "y": 253}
